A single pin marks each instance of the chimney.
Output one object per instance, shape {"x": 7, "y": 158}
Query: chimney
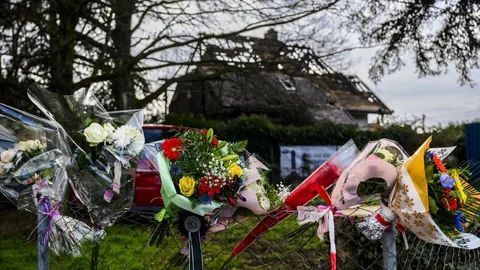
{"x": 271, "y": 34}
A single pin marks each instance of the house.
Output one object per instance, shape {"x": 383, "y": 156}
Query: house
{"x": 287, "y": 83}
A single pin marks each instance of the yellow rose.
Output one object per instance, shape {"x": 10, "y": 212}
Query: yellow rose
{"x": 187, "y": 186}
{"x": 235, "y": 170}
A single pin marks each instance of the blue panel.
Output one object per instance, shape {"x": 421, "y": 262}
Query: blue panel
{"x": 472, "y": 139}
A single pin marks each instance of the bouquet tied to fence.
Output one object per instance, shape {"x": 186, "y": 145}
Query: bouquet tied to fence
{"x": 207, "y": 177}
{"x": 106, "y": 151}
{"x": 34, "y": 156}
{"x": 418, "y": 192}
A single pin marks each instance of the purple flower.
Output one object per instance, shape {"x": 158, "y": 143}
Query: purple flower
{"x": 459, "y": 219}
{"x": 446, "y": 181}
{"x": 175, "y": 170}
{"x": 205, "y": 199}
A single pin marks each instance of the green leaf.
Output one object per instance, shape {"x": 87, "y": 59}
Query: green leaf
{"x": 88, "y": 121}
{"x": 429, "y": 173}
{"x": 229, "y": 157}
{"x": 160, "y": 215}
{"x": 221, "y": 144}
{"x": 238, "y": 146}
{"x": 210, "y": 135}
{"x": 432, "y": 205}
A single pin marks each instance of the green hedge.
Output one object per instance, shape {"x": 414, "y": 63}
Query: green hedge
{"x": 265, "y": 138}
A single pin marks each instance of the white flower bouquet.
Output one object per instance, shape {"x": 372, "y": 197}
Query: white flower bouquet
{"x": 33, "y": 159}
{"x": 106, "y": 151}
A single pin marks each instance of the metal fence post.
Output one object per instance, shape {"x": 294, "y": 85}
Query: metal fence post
{"x": 389, "y": 249}
{"x": 42, "y": 223}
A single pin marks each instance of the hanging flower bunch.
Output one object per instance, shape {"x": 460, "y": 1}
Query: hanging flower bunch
{"x": 203, "y": 169}
{"x": 446, "y": 193}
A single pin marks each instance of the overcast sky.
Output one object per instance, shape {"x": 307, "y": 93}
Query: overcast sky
{"x": 442, "y": 99}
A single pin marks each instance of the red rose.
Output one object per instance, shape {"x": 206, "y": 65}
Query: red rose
{"x": 172, "y": 148}
{"x": 215, "y": 142}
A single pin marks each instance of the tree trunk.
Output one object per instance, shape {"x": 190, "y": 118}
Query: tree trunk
{"x": 63, "y": 18}
{"x": 123, "y": 86}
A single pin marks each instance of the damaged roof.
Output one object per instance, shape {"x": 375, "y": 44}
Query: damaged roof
{"x": 273, "y": 55}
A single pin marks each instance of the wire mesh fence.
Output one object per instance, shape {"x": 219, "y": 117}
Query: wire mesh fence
{"x": 285, "y": 246}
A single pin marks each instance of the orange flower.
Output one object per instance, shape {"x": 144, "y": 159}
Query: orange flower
{"x": 439, "y": 164}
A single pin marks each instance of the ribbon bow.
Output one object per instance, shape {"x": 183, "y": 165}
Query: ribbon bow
{"x": 315, "y": 214}
{"x": 50, "y": 213}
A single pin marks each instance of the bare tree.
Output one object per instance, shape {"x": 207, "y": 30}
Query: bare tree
{"x": 438, "y": 32}
{"x": 131, "y": 51}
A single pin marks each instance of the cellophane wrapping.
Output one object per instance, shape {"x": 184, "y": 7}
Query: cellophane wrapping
{"x": 107, "y": 150}
{"x": 34, "y": 157}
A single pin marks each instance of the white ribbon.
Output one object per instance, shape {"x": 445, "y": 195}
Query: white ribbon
{"x": 323, "y": 215}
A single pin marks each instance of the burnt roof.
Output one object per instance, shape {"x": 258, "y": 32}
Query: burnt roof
{"x": 258, "y": 92}
{"x": 271, "y": 55}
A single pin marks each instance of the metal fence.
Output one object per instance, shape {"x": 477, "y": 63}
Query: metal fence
{"x": 286, "y": 246}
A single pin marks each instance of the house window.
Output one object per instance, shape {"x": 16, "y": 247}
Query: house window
{"x": 287, "y": 84}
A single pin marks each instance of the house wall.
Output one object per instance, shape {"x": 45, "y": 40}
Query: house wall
{"x": 361, "y": 119}
{"x": 188, "y": 98}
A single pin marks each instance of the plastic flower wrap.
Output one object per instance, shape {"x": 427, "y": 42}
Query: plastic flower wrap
{"x": 33, "y": 160}
{"x": 258, "y": 194}
{"x": 373, "y": 173}
{"x": 421, "y": 194}
{"x": 107, "y": 151}
{"x": 327, "y": 174}
{"x": 434, "y": 202}
{"x": 210, "y": 179}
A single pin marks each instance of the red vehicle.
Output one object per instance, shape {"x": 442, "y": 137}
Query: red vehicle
{"x": 147, "y": 196}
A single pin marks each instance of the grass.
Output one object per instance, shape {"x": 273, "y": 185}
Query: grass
{"x": 125, "y": 247}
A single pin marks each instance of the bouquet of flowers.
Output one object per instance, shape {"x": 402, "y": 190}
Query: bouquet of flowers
{"x": 327, "y": 174}
{"x": 34, "y": 156}
{"x": 433, "y": 202}
{"x": 209, "y": 178}
{"x": 106, "y": 153}
{"x": 372, "y": 175}
{"x": 260, "y": 196}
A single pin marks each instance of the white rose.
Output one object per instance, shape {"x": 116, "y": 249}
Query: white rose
{"x": 8, "y": 155}
{"x": 256, "y": 188}
{"x": 95, "y": 134}
{"x": 20, "y": 146}
{"x": 8, "y": 166}
{"x": 32, "y": 145}
{"x": 264, "y": 202}
{"x": 39, "y": 145}
{"x": 110, "y": 130}
{"x": 131, "y": 132}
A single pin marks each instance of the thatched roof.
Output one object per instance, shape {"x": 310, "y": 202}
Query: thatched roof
{"x": 261, "y": 75}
